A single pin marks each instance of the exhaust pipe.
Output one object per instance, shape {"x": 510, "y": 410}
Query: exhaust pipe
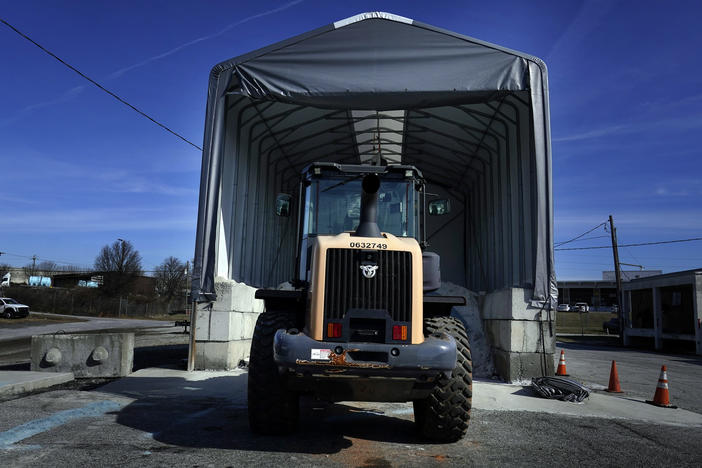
{"x": 368, "y": 225}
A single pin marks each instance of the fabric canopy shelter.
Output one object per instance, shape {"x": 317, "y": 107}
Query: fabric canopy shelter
{"x": 472, "y": 116}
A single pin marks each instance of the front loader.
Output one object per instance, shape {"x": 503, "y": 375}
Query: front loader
{"x": 362, "y": 321}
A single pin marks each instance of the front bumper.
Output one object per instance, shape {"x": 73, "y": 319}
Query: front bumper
{"x": 303, "y": 355}
{"x": 19, "y": 312}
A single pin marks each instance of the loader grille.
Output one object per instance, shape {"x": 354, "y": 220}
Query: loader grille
{"x": 346, "y": 287}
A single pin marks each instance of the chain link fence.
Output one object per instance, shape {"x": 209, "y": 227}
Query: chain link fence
{"x": 90, "y": 302}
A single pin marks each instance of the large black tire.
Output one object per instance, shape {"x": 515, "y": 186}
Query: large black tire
{"x": 273, "y": 409}
{"x": 7, "y": 314}
{"x": 444, "y": 415}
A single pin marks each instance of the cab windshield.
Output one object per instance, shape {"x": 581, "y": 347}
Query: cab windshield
{"x": 334, "y": 205}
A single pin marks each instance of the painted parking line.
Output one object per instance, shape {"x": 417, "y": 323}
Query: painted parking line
{"x": 32, "y": 428}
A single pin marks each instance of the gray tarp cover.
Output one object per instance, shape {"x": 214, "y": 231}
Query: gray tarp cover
{"x": 382, "y": 62}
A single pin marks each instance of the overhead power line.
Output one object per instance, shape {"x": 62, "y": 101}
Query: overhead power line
{"x": 633, "y": 245}
{"x": 83, "y": 75}
{"x": 584, "y": 239}
{"x": 30, "y": 257}
{"x": 581, "y": 235}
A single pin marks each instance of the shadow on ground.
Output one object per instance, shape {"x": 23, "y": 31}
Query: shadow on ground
{"x": 167, "y": 356}
{"x": 212, "y": 413}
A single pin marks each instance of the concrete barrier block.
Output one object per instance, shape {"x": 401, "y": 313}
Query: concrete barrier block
{"x": 85, "y": 355}
{"x": 523, "y": 336}
{"x": 498, "y": 333}
{"x": 220, "y": 326}
{"x": 258, "y": 306}
{"x": 210, "y": 355}
{"x": 236, "y": 325}
{"x": 527, "y": 337}
{"x": 202, "y": 323}
{"x": 234, "y": 296}
{"x": 520, "y": 367}
{"x": 512, "y": 304}
{"x": 244, "y": 299}
{"x": 225, "y": 297}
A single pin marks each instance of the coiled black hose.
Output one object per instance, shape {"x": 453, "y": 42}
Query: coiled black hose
{"x": 559, "y": 388}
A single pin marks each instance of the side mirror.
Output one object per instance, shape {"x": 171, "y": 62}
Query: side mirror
{"x": 282, "y": 204}
{"x": 439, "y": 207}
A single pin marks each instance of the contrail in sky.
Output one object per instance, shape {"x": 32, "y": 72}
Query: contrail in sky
{"x": 74, "y": 92}
{"x": 65, "y": 97}
{"x": 124, "y": 70}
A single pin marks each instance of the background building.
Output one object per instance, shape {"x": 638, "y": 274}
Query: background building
{"x": 664, "y": 307}
{"x": 598, "y": 294}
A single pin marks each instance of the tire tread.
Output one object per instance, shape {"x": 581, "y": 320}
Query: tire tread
{"x": 444, "y": 415}
{"x": 272, "y": 408}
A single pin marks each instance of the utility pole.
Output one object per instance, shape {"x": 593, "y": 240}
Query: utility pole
{"x": 34, "y": 263}
{"x": 618, "y": 273}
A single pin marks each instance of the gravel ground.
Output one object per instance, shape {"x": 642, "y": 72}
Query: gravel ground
{"x": 157, "y": 431}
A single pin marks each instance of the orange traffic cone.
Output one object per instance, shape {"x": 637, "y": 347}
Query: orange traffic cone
{"x": 614, "y": 380}
{"x": 661, "y": 398}
{"x": 561, "y": 370}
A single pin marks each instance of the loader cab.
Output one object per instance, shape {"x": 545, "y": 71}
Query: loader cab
{"x": 331, "y": 203}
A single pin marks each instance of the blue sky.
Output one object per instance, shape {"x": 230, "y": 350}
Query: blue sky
{"x": 80, "y": 170}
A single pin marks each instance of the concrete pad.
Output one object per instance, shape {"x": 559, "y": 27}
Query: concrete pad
{"x": 231, "y": 385}
{"x": 175, "y": 383}
{"x": 504, "y": 397}
{"x": 19, "y": 382}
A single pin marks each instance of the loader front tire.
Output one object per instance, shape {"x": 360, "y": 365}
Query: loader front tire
{"x": 444, "y": 415}
{"x": 273, "y": 409}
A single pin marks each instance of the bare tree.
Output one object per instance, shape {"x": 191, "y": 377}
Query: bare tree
{"x": 171, "y": 276}
{"x": 46, "y": 267}
{"x": 121, "y": 264}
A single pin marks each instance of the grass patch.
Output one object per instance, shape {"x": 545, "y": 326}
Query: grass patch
{"x": 586, "y": 323}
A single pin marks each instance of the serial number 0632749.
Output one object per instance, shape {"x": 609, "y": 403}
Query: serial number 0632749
{"x": 367, "y": 245}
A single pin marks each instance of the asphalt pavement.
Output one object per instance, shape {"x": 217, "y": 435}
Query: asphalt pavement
{"x": 10, "y": 330}
{"x": 160, "y": 417}
{"x": 638, "y": 370}
{"x": 168, "y": 417}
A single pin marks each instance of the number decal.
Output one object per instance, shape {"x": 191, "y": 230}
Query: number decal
{"x": 367, "y": 245}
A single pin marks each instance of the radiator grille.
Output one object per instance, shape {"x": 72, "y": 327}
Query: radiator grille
{"x": 346, "y": 287}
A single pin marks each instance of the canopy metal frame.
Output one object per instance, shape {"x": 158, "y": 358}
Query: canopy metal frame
{"x": 481, "y": 138}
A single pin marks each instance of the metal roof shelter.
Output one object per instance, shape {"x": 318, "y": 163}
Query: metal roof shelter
{"x": 472, "y": 116}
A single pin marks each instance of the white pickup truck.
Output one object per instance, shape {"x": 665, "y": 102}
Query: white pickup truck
{"x": 10, "y": 308}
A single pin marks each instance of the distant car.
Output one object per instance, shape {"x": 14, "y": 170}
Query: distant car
{"x": 611, "y": 326}
{"x": 563, "y": 308}
{"x": 581, "y": 307}
{"x": 10, "y": 308}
